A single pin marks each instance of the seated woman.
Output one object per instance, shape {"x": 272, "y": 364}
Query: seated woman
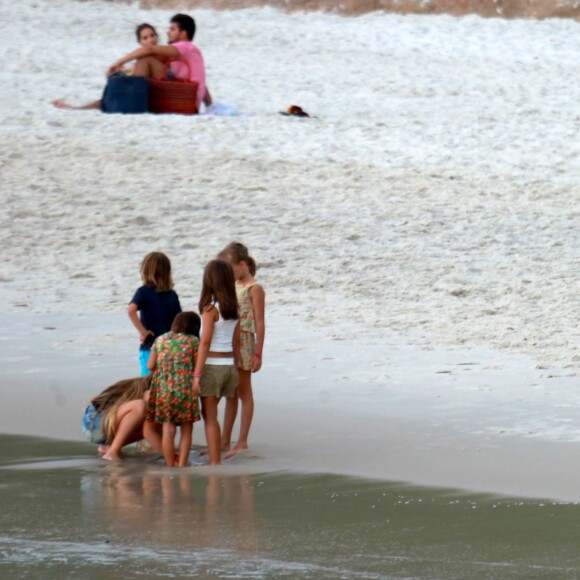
{"x": 115, "y": 418}
{"x": 146, "y": 36}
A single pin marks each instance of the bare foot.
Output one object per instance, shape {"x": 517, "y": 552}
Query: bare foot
{"x": 111, "y": 456}
{"x": 206, "y": 450}
{"x": 236, "y": 451}
{"x": 102, "y": 449}
{"x": 60, "y": 104}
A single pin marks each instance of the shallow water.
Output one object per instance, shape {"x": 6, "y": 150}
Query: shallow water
{"x": 66, "y": 513}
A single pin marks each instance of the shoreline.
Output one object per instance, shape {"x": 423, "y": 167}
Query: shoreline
{"x": 320, "y": 411}
{"x": 150, "y": 521}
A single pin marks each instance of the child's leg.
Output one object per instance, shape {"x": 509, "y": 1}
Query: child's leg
{"x": 209, "y": 407}
{"x": 186, "y": 430}
{"x": 152, "y": 434}
{"x": 230, "y": 415}
{"x": 246, "y": 396}
{"x": 130, "y": 417}
{"x": 168, "y": 443}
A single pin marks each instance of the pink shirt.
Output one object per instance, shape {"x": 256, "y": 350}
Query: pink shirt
{"x": 189, "y": 66}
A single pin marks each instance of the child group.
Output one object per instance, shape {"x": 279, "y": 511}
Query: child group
{"x": 185, "y": 367}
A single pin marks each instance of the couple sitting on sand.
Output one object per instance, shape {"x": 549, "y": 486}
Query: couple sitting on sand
{"x": 180, "y": 59}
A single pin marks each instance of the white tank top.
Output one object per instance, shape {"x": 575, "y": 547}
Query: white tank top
{"x": 222, "y": 339}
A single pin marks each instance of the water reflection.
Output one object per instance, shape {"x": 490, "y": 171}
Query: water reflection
{"x": 66, "y": 515}
{"x": 172, "y": 507}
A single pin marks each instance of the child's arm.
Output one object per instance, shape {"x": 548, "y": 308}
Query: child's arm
{"x": 195, "y": 388}
{"x": 207, "y": 324}
{"x": 258, "y": 297}
{"x": 178, "y": 304}
{"x": 134, "y": 318}
{"x": 236, "y": 345}
{"x": 152, "y": 362}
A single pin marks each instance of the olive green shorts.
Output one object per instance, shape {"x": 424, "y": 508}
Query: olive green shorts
{"x": 219, "y": 381}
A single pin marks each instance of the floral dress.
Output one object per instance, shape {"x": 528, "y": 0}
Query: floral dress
{"x": 170, "y": 398}
{"x": 247, "y": 326}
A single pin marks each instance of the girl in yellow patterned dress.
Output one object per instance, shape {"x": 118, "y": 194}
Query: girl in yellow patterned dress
{"x": 251, "y": 298}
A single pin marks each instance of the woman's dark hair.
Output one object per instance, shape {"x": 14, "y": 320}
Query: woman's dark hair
{"x": 187, "y": 323}
{"x": 143, "y": 27}
{"x": 219, "y": 286}
{"x": 235, "y": 252}
{"x": 186, "y": 23}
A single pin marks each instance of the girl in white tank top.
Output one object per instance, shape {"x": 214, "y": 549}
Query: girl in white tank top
{"x": 215, "y": 373}
{"x": 222, "y": 340}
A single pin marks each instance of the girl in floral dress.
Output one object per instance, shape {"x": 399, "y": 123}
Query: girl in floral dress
{"x": 251, "y": 298}
{"x": 173, "y": 400}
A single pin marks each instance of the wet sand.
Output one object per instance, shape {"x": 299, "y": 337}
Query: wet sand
{"x": 137, "y": 518}
{"x": 470, "y": 420}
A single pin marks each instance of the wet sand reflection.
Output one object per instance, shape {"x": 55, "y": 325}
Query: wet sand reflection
{"x": 174, "y": 508}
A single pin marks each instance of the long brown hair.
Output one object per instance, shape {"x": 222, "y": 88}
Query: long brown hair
{"x": 236, "y": 252}
{"x": 156, "y": 271}
{"x": 219, "y": 286}
{"x": 112, "y": 397}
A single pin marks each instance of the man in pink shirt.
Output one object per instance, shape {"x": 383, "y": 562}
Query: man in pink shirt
{"x": 184, "y": 58}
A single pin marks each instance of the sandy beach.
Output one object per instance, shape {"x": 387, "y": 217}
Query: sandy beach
{"x": 418, "y": 237}
{"x": 418, "y": 412}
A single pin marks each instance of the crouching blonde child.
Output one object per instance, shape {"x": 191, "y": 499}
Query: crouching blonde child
{"x": 114, "y": 418}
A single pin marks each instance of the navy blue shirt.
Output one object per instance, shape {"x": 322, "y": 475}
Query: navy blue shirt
{"x": 157, "y": 311}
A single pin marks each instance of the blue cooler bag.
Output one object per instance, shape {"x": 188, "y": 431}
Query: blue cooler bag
{"x": 124, "y": 94}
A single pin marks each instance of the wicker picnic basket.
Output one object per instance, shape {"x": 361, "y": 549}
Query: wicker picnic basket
{"x": 173, "y": 96}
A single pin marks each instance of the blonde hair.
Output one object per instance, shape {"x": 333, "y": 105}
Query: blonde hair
{"x": 236, "y": 252}
{"x": 109, "y": 401}
{"x": 156, "y": 271}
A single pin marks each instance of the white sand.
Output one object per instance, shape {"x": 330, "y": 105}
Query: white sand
{"x": 436, "y": 194}
{"x": 433, "y": 202}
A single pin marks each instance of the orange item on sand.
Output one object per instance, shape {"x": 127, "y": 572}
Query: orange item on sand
{"x": 295, "y": 111}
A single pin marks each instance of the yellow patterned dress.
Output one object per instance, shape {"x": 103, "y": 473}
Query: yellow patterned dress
{"x": 247, "y": 326}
